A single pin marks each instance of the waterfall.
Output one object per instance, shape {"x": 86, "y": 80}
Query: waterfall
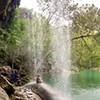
{"x": 60, "y": 45}
{"x": 61, "y": 56}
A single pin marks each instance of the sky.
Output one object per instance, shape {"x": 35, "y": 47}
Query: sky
{"x": 32, "y": 4}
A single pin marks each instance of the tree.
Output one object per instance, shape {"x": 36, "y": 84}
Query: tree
{"x": 56, "y": 9}
{"x": 85, "y": 36}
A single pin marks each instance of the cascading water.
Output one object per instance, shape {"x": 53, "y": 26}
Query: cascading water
{"x": 61, "y": 57}
{"x": 60, "y": 43}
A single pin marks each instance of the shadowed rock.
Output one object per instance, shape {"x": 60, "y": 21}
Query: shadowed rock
{"x": 31, "y": 91}
{"x": 16, "y": 93}
{"x": 7, "y": 9}
{"x": 3, "y": 95}
{"x": 44, "y": 91}
{"x": 6, "y": 85}
{"x": 23, "y": 93}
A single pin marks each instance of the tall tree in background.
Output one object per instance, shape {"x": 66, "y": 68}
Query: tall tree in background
{"x": 85, "y": 36}
{"x": 50, "y": 9}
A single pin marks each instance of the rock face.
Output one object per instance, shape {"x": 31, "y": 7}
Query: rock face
{"x": 15, "y": 93}
{"x": 24, "y": 94}
{"x": 3, "y": 95}
{"x": 34, "y": 91}
{"x": 30, "y": 91}
{"x": 44, "y": 91}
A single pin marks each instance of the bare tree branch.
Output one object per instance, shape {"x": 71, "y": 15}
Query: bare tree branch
{"x": 86, "y": 45}
{"x": 82, "y": 36}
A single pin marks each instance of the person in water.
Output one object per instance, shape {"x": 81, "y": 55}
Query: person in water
{"x": 39, "y": 79}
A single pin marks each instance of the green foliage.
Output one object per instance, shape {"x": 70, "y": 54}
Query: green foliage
{"x": 86, "y": 35}
{"x": 11, "y": 39}
{"x": 40, "y": 39}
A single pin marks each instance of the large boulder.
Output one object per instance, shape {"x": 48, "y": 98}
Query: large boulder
{"x": 16, "y": 93}
{"x": 3, "y": 95}
{"x": 23, "y": 93}
{"x": 31, "y": 91}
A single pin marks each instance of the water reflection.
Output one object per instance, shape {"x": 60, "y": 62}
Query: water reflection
{"x": 85, "y": 80}
{"x": 84, "y": 85}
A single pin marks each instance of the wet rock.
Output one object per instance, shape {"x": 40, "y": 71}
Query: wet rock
{"x": 43, "y": 90}
{"x": 3, "y": 95}
{"x": 17, "y": 93}
{"x": 24, "y": 94}
{"x": 30, "y": 91}
{"x": 6, "y": 85}
{"x": 12, "y": 75}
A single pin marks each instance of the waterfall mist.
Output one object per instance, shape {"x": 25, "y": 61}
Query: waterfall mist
{"x": 58, "y": 49}
{"x": 61, "y": 57}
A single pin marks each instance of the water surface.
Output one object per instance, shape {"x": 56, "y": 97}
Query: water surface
{"x": 84, "y": 85}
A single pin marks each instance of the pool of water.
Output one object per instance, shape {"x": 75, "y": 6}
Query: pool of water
{"x": 84, "y": 85}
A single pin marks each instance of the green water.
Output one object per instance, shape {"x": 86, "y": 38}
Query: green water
{"x": 84, "y": 85}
